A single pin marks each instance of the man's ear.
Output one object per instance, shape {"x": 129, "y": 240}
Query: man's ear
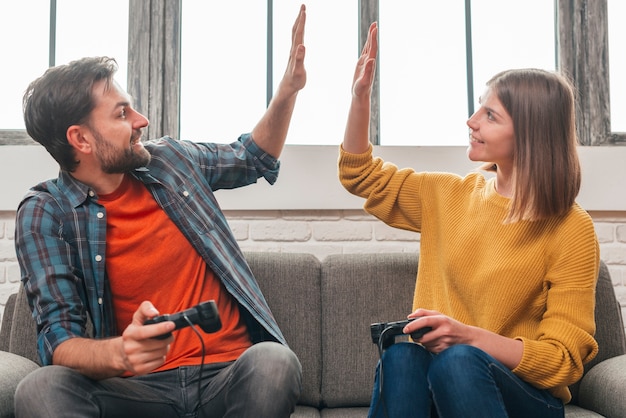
{"x": 76, "y": 138}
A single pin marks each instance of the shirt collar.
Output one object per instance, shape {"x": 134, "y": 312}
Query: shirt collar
{"x": 75, "y": 191}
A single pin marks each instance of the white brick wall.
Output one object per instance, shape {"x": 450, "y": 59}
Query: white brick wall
{"x": 327, "y": 232}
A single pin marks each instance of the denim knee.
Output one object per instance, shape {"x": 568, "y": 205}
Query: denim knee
{"x": 266, "y": 381}
{"x": 453, "y": 363}
{"x": 403, "y": 354}
{"x": 273, "y": 360}
{"x": 41, "y": 382}
{"x": 47, "y": 391}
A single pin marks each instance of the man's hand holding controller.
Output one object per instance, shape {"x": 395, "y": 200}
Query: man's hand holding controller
{"x": 204, "y": 315}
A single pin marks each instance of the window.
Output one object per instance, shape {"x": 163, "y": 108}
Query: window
{"x": 423, "y": 74}
{"x": 222, "y": 69}
{"x": 423, "y": 71}
{"x": 85, "y": 30}
{"x": 26, "y": 56}
{"x": 79, "y": 29}
{"x": 225, "y": 66}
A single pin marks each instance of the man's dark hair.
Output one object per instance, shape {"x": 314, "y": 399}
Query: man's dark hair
{"x": 60, "y": 98}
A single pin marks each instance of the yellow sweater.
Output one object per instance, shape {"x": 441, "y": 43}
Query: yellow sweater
{"x": 533, "y": 281}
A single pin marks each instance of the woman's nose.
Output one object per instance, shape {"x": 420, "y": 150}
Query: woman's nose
{"x": 471, "y": 122}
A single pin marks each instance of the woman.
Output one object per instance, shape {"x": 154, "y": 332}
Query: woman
{"x": 508, "y": 264}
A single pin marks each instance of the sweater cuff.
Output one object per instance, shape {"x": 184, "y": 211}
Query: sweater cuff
{"x": 355, "y": 160}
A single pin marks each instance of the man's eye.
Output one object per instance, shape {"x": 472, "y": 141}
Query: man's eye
{"x": 489, "y": 115}
{"x": 123, "y": 113}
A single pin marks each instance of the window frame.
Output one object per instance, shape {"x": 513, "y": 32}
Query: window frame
{"x": 155, "y": 51}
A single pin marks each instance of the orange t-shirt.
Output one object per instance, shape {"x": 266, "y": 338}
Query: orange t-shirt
{"x": 148, "y": 258}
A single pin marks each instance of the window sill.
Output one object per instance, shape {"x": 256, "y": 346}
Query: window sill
{"x": 308, "y": 178}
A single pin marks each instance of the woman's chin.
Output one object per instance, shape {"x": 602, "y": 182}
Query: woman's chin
{"x": 472, "y": 155}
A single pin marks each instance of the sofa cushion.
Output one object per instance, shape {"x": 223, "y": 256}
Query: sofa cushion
{"x": 357, "y": 412}
{"x": 574, "y": 411}
{"x": 291, "y": 285}
{"x": 305, "y": 412}
{"x": 358, "y": 290}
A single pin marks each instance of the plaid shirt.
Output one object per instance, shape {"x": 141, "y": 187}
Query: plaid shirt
{"x": 61, "y": 237}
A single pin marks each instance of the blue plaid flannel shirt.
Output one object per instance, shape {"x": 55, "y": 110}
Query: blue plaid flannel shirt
{"x": 61, "y": 237}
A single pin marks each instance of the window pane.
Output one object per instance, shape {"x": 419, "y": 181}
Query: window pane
{"x": 511, "y": 34}
{"x": 24, "y": 34}
{"x": 238, "y": 89}
{"x": 617, "y": 64}
{"x": 93, "y": 28}
{"x": 331, "y": 40}
{"x": 423, "y": 93}
{"x": 223, "y": 68}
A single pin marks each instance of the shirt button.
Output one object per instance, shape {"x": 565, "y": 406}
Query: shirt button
{"x": 100, "y": 215}
{"x": 186, "y": 193}
{"x": 91, "y": 193}
{"x": 98, "y": 257}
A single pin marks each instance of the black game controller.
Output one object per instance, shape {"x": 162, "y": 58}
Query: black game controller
{"x": 389, "y": 330}
{"x": 204, "y": 314}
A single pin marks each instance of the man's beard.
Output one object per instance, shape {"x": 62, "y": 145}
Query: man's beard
{"x": 114, "y": 161}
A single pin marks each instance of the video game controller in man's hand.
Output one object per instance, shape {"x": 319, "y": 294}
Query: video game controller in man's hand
{"x": 204, "y": 315}
{"x": 389, "y": 330}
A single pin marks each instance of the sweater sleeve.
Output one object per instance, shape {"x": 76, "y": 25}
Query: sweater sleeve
{"x": 392, "y": 194}
{"x": 565, "y": 337}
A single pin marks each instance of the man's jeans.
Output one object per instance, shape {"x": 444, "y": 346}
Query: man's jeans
{"x": 462, "y": 381}
{"x": 264, "y": 382}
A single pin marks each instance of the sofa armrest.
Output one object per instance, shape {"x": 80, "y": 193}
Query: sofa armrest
{"x": 7, "y": 318}
{"x": 602, "y": 387}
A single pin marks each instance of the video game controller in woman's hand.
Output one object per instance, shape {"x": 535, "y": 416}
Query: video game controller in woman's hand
{"x": 389, "y": 330}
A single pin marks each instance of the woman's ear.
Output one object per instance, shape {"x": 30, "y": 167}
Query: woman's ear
{"x": 76, "y": 138}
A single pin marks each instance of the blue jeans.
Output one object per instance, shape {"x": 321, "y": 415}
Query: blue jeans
{"x": 265, "y": 381}
{"x": 462, "y": 381}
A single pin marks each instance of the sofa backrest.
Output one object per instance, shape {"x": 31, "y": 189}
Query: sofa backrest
{"x": 358, "y": 290}
{"x": 291, "y": 286}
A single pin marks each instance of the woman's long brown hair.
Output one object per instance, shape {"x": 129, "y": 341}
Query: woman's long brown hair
{"x": 546, "y": 169}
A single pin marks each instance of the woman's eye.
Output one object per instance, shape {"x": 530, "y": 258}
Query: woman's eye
{"x": 489, "y": 115}
{"x": 123, "y": 113}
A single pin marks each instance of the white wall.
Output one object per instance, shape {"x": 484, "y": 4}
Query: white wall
{"x": 308, "y": 178}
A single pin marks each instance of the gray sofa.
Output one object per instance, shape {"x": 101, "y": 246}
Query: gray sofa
{"x": 325, "y": 309}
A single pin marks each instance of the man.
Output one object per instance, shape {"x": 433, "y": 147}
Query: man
{"x": 129, "y": 230}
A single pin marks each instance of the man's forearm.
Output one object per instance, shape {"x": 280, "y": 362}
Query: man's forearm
{"x": 271, "y": 131}
{"x": 96, "y": 359}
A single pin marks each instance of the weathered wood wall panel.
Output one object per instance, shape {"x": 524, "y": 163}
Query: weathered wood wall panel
{"x": 154, "y": 63}
{"x": 369, "y": 12}
{"x": 583, "y": 54}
